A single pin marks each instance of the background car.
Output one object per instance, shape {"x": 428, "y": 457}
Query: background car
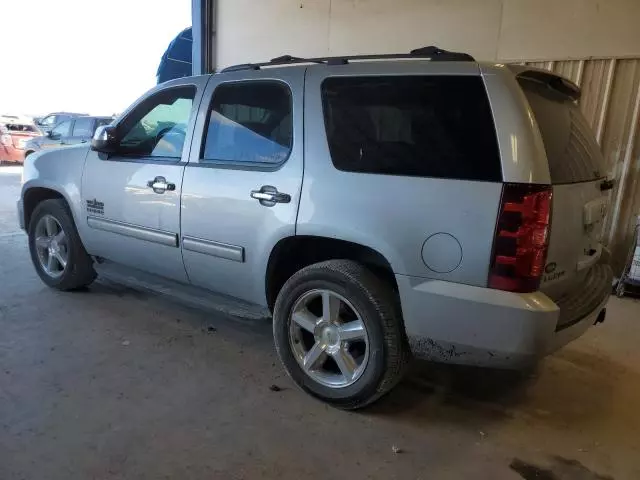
{"x": 15, "y": 132}
{"x": 50, "y": 121}
{"x": 69, "y": 132}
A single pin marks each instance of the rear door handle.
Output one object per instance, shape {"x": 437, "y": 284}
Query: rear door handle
{"x": 269, "y": 196}
{"x": 160, "y": 185}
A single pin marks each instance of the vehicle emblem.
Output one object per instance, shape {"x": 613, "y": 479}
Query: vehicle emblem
{"x": 95, "y": 207}
{"x": 551, "y": 267}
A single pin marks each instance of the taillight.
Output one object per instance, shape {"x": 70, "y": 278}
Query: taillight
{"x": 5, "y": 139}
{"x": 522, "y": 237}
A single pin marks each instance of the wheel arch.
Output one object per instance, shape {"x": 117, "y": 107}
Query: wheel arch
{"x": 293, "y": 253}
{"x": 33, "y": 196}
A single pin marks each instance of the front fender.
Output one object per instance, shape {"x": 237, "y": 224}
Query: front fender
{"x": 59, "y": 170}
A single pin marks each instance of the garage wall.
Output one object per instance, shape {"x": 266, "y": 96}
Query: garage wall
{"x": 255, "y": 30}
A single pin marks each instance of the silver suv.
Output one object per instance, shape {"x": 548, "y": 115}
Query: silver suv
{"x": 385, "y": 207}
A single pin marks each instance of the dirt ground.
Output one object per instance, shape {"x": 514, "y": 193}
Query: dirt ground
{"x": 112, "y": 383}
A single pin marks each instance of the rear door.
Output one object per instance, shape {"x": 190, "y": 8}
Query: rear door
{"x": 242, "y": 185}
{"x": 580, "y": 196}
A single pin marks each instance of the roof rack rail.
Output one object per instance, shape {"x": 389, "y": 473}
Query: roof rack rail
{"x": 432, "y": 53}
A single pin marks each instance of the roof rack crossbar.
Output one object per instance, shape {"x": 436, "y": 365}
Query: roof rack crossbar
{"x": 431, "y": 53}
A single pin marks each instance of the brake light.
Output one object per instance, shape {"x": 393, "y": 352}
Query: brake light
{"x": 5, "y": 139}
{"x": 522, "y": 238}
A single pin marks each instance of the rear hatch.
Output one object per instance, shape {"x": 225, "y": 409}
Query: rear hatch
{"x": 577, "y": 275}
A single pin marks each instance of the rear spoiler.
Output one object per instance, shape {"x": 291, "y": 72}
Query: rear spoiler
{"x": 556, "y": 82}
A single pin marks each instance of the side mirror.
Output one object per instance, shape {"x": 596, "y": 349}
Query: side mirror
{"x": 53, "y": 136}
{"x": 104, "y": 140}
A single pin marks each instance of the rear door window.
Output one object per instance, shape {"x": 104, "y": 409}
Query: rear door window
{"x": 249, "y": 123}
{"x": 427, "y": 126}
{"x": 572, "y": 151}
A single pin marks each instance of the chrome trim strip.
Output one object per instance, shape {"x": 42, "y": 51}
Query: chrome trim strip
{"x": 215, "y": 249}
{"x": 134, "y": 231}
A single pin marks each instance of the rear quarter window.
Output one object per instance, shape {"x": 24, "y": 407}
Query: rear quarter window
{"x": 572, "y": 151}
{"x": 426, "y": 126}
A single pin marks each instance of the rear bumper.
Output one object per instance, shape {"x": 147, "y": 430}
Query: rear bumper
{"x": 463, "y": 324}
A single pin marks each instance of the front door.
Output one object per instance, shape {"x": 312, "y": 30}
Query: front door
{"x": 242, "y": 185}
{"x": 132, "y": 197}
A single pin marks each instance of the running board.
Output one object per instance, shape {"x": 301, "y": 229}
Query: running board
{"x": 186, "y": 294}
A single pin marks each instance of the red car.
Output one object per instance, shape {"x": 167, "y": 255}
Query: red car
{"x": 14, "y": 133}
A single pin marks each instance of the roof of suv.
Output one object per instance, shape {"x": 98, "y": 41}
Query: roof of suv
{"x": 431, "y": 53}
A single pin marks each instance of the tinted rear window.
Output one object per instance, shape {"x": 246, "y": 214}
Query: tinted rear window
{"x": 427, "y": 126}
{"x": 572, "y": 151}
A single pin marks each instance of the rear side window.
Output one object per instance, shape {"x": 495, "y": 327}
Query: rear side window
{"x": 572, "y": 151}
{"x": 427, "y": 126}
{"x": 249, "y": 123}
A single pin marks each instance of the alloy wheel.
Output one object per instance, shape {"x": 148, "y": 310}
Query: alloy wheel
{"x": 51, "y": 246}
{"x": 328, "y": 338}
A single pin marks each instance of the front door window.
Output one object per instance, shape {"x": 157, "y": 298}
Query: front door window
{"x": 157, "y": 129}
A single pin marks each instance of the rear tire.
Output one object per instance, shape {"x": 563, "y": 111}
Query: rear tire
{"x": 56, "y": 250}
{"x": 377, "y": 362}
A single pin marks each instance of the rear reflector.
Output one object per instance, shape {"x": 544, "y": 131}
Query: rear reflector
{"x": 522, "y": 237}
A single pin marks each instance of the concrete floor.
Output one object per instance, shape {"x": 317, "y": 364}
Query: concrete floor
{"x": 112, "y": 384}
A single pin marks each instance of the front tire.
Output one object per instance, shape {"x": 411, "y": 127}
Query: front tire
{"x": 339, "y": 334}
{"x": 56, "y": 250}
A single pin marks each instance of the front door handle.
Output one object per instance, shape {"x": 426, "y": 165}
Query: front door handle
{"x": 160, "y": 185}
{"x": 269, "y": 196}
